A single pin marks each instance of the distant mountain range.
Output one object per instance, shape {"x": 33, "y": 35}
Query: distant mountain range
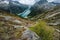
{"x": 16, "y": 7}
{"x": 42, "y": 6}
{"x": 45, "y": 4}
{"x": 13, "y": 6}
{"x": 56, "y": 3}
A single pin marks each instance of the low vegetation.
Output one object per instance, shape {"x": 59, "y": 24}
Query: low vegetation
{"x": 43, "y": 30}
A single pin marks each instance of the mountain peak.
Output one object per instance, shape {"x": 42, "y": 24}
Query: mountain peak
{"x": 42, "y": 1}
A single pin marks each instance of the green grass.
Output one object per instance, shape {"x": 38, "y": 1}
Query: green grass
{"x": 43, "y": 30}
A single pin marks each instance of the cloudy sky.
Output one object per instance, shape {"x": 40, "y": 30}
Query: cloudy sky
{"x": 31, "y": 2}
{"x": 28, "y": 2}
{"x": 57, "y": 1}
{"x": 50, "y": 0}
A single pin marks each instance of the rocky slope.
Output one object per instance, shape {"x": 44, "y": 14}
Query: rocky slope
{"x": 52, "y": 17}
{"x": 15, "y": 28}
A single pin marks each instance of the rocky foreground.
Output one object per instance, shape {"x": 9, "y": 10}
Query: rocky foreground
{"x": 15, "y": 28}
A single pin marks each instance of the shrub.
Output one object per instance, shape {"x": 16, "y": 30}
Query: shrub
{"x": 43, "y": 30}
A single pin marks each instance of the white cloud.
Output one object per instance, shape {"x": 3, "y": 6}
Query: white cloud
{"x": 57, "y": 1}
{"x": 50, "y": 0}
{"x": 27, "y": 2}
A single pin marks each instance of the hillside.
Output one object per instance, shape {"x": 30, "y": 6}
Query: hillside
{"x": 51, "y": 16}
{"x": 29, "y": 20}
{"x": 13, "y": 27}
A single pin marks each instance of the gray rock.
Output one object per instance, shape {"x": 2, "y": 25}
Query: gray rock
{"x": 29, "y": 35}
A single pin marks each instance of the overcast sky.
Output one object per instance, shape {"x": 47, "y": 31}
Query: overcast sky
{"x": 28, "y": 2}
{"x": 50, "y": 0}
{"x": 32, "y": 2}
{"x": 57, "y": 1}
